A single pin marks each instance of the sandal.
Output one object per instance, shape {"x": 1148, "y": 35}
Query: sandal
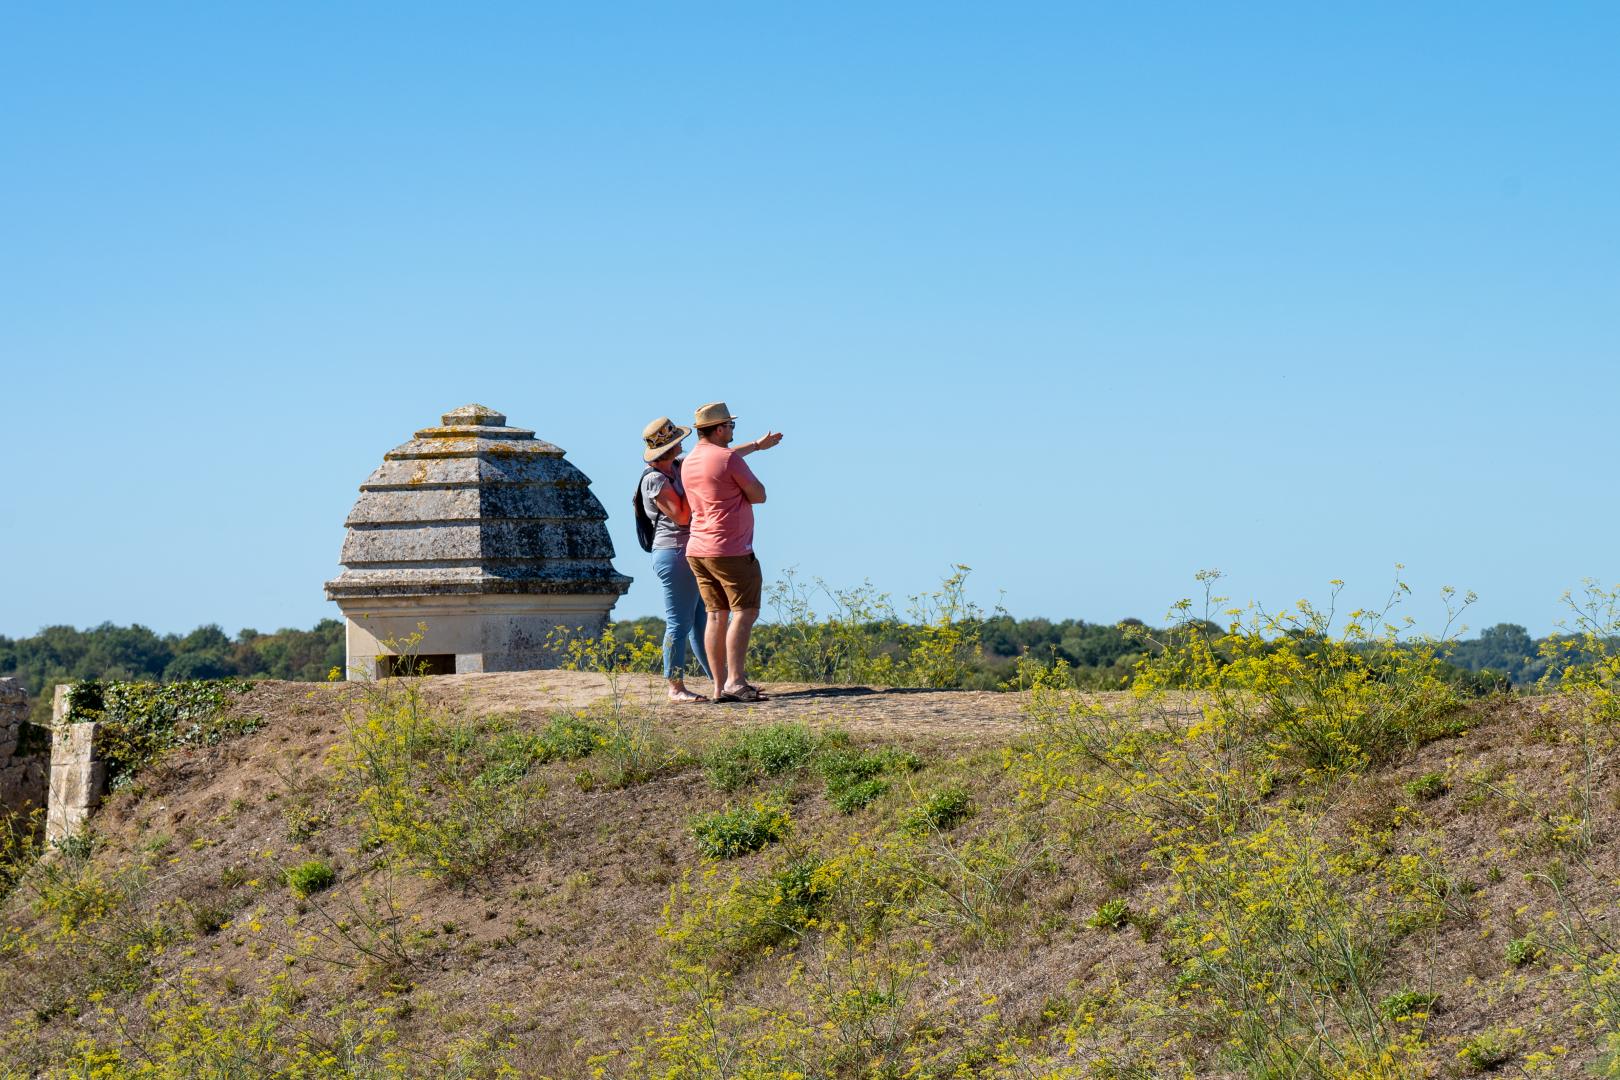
{"x": 686, "y": 697}
{"x": 727, "y": 699}
{"x": 748, "y": 693}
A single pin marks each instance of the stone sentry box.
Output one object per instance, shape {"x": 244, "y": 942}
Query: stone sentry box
{"x": 485, "y": 535}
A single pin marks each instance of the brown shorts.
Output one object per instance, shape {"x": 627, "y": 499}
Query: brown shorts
{"x": 727, "y": 582}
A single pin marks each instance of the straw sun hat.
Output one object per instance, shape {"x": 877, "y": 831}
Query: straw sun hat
{"x": 715, "y": 412}
{"x": 660, "y": 435}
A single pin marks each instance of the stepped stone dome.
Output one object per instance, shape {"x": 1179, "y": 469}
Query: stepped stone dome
{"x": 487, "y": 535}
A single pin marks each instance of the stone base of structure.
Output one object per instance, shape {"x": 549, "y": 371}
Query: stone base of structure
{"x": 482, "y": 633}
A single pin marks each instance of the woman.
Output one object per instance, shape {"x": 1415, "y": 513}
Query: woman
{"x": 664, "y": 500}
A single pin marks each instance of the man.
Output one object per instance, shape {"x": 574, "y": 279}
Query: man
{"x": 722, "y": 492}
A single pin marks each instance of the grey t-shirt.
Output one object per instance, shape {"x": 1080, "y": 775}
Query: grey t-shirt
{"x": 666, "y": 534}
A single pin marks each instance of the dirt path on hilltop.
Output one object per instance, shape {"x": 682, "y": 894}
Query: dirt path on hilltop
{"x": 953, "y": 716}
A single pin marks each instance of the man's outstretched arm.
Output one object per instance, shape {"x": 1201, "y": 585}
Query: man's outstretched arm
{"x": 764, "y": 442}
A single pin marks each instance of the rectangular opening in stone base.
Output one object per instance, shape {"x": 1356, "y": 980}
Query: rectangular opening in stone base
{"x": 389, "y": 667}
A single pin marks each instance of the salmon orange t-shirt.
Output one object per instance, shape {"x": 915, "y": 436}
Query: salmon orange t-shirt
{"x": 722, "y": 517}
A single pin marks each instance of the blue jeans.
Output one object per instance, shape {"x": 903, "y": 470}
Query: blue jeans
{"x": 684, "y": 617}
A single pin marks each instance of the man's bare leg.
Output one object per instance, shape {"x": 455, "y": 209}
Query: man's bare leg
{"x": 736, "y": 662}
{"x": 714, "y": 643}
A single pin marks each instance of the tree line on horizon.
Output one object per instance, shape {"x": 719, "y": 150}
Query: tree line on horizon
{"x": 1101, "y": 655}
{"x": 136, "y": 653}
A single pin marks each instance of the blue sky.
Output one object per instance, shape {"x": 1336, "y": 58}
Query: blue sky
{"x": 1088, "y": 297}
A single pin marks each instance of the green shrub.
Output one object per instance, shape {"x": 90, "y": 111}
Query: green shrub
{"x": 569, "y": 738}
{"x": 21, "y": 844}
{"x": 1426, "y": 787}
{"x": 941, "y": 811}
{"x": 1110, "y": 915}
{"x": 632, "y": 750}
{"x": 857, "y": 796}
{"x": 310, "y": 877}
{"x": 781, "y": 905}
{"x": 1406, "y": 1003}
{"x": 207, "y": 919}
{"x": 729, "y": 833}
{"x": 1485, "y": 1052}
{"x": 795, "y": 890}
{"x": 750, "y": 756}
{"x": 76, "y": 894}
{"x": 1525, "y": 950}
{"x": 301, "y": 819}
{"x": 854, "y": 777}
{"x": 507, "y": 757}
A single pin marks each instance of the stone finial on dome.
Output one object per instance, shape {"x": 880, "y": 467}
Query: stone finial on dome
{"x": 473, "y": 416}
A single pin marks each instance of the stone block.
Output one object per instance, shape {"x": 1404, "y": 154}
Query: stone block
{"x": 78, "y": 779}
{"x": 81, "y": 786}
{"x": 72, "y": 743}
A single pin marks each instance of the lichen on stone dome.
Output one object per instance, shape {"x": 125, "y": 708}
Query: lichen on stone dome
{"x": 474, "y": 507}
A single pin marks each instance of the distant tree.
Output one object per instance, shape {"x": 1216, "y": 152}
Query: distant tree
{"x": 208, "y": 638}
{"x": 209, "y": 664}
{"x": 1505, "y": 648}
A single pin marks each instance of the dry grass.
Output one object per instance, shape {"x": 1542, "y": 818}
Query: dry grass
{"x": 557, "y": 953}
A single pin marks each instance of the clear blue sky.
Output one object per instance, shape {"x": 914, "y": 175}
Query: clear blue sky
{"x": 1086, "y": 296}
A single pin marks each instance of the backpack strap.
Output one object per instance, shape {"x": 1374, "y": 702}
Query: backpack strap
{"x": 656, "y": 508}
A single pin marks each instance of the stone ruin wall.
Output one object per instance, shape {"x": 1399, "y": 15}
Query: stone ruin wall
{"x": 59, "y": 770}
{"x": 25, "y": 755}
{"x": 78, "y": 774}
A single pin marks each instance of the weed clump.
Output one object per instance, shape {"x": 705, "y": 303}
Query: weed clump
{"x": 1427, "y": 787}
{"x": 756, "y": 754}
{"x": 310, "y": 877}
{"x": 568, "y": 738}
{"x": 729, "y": 833}
{"x": 1485, "y": 1052}
{"x": 446, "y": 796}
{"x": 1523, "y": 951}
{"x": 940, "y": 812}
{"x": 1110, "y": 915}
{"x": 857, "y": 778}
{"x": 1407, "y": 1004}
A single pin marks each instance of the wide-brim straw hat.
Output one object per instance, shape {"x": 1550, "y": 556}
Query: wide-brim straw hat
{"x": 715, "y": 412}
{"x": 660, "y": 435}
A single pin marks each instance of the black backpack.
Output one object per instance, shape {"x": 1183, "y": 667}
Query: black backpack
{"x": 646, "y": 527}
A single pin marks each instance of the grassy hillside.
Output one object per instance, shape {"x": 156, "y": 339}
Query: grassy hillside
{"x": 1276, "y": 856}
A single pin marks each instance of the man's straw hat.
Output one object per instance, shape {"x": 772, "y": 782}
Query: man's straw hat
{"x": 660, "y": 435}
{"x": 715, "y": 412}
